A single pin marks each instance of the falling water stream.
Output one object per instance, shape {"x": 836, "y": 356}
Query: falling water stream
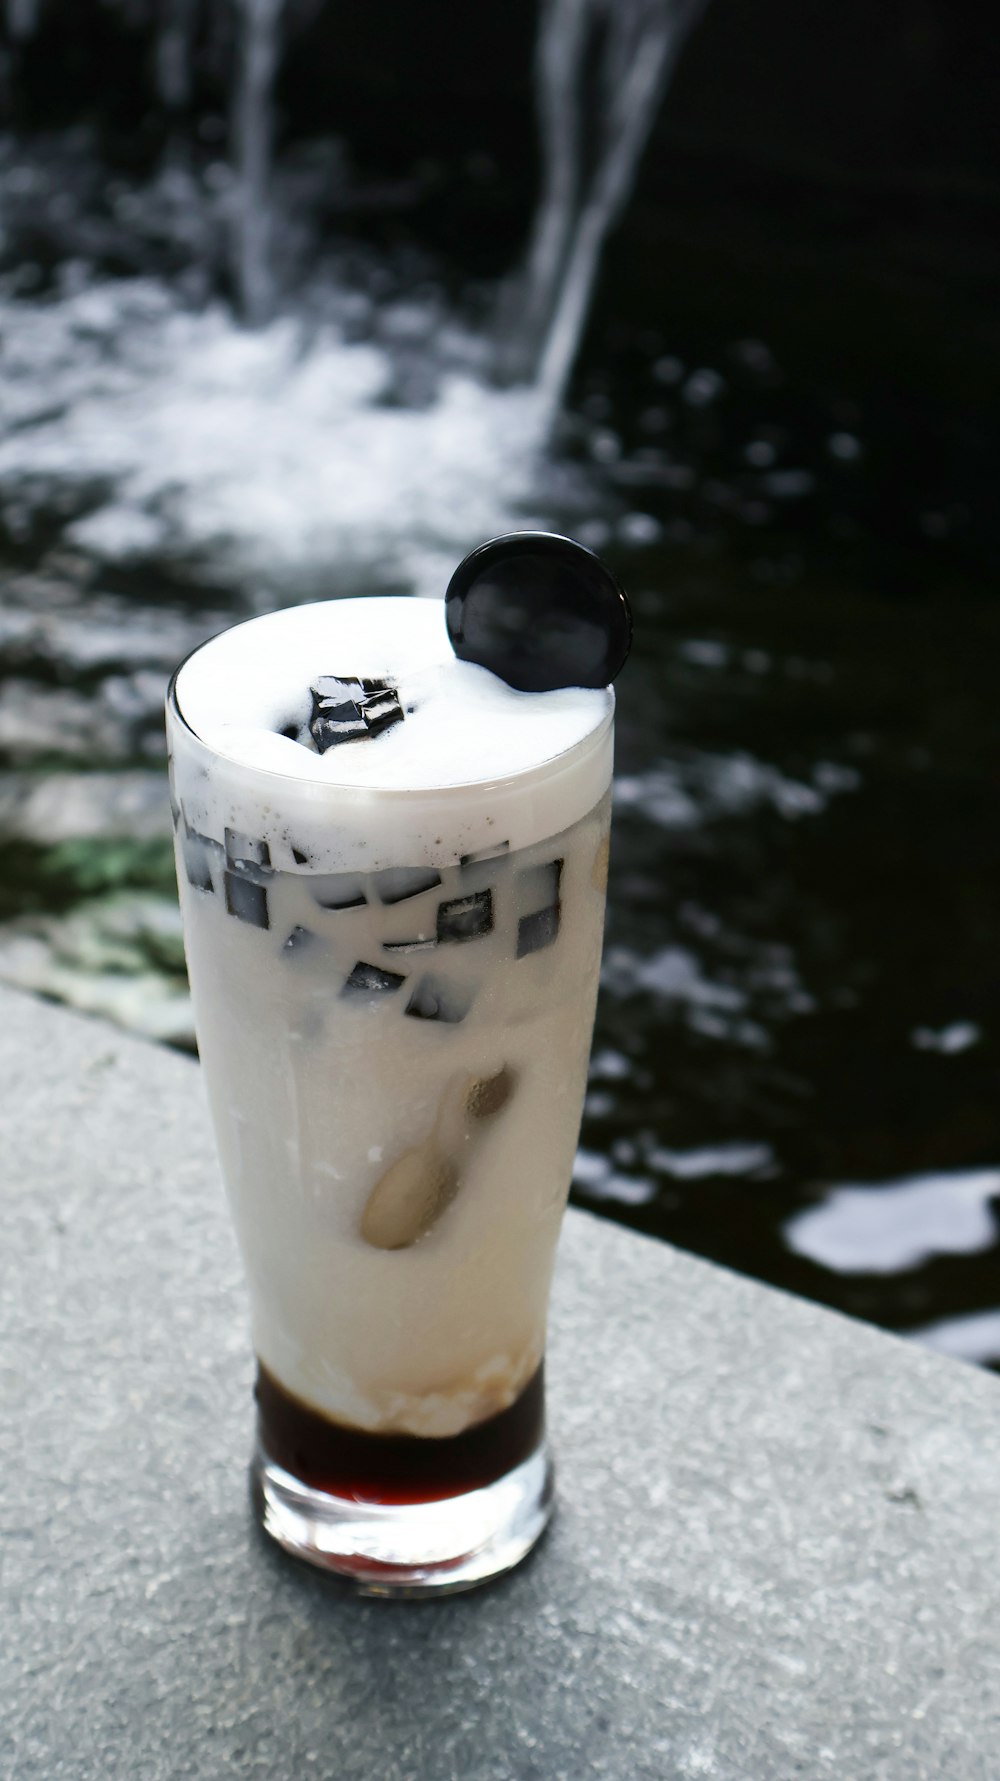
{"x": 592, "y": 142}
{"x": 175, "y": 54}
{"x": 253, "y": 149}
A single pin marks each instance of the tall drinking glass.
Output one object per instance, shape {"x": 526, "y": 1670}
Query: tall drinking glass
{"x": 394, "y": 990}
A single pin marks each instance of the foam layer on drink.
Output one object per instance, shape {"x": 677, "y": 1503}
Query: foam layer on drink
{"x": 451, "y": 778}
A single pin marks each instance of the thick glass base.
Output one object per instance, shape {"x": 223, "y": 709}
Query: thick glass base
{"x": 407, "y": 1549}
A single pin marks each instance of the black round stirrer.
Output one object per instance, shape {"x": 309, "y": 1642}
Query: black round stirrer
{"x": 540, "y": 611}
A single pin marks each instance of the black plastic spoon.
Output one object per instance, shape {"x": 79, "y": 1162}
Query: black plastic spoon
{"x": 540, "y": 611}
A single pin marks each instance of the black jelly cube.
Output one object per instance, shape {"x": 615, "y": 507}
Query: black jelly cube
{"x": 247, "y": 900}
{"x": 534, "y": 932}
{"x": 198, "y": 851}
{"x": 335, "y": 689}
{"x": 371, "y": 980}
{"x": 346, "y": 709}
{"x": 343, "y": 724}
{"x": 538, "y": 886}
{"x": 245, "y": 854}
{"x": 301, "y": 940}
{"x": 399, "y": 882}
{"x": 421, "y": 944}
{"x": 378, "y": 718}
{"x": 436, "y": 999}
{"x": 381, "y": 707}
{"x": 339, "y": 890}
{"x": 465, "y": 918}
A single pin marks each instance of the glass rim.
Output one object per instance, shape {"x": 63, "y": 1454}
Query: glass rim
{"x": 312, "y": 787}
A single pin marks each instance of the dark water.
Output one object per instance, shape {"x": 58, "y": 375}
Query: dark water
{"x": 796, "y": 1046}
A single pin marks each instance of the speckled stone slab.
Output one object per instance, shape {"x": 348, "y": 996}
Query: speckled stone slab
{"x": 777, "y": 1553}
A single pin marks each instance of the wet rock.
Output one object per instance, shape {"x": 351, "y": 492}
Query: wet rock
{"x": 121, "y": 957}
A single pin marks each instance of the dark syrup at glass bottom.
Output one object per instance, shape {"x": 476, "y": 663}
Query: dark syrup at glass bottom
{"x": 350, "y": 1462}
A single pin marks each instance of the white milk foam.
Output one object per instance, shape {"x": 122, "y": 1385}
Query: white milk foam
{"x": 446, "y": 780}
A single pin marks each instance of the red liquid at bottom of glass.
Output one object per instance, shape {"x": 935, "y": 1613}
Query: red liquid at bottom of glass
{"x": 351, "y": 1463}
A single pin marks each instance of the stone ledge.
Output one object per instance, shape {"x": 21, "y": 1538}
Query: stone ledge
{"x": 776, "y": 1552}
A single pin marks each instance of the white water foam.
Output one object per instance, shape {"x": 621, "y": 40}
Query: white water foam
{"x": 278, "y": 455}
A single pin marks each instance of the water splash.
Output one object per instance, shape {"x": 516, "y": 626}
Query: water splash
{"x": 275, "y": 456}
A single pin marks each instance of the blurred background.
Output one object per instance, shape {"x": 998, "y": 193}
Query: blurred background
{"x": 300, "y": 299}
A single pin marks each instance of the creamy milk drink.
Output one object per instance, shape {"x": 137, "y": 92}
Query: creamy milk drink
{"x": 392, "y": 867}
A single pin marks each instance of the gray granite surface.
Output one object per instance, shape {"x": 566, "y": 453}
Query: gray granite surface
{"x": 777, "y": 1553}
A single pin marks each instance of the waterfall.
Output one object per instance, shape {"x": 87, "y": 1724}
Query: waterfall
{"x": 22, "y": 18}
{"x": 591, "y": 147}
{"x": 175, "y": 52}
{"x": 253, "y": 148}
{"x": 600, "y": 69}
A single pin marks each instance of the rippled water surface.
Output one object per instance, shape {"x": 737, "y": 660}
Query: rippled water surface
{"x": 796, "y": 1049}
